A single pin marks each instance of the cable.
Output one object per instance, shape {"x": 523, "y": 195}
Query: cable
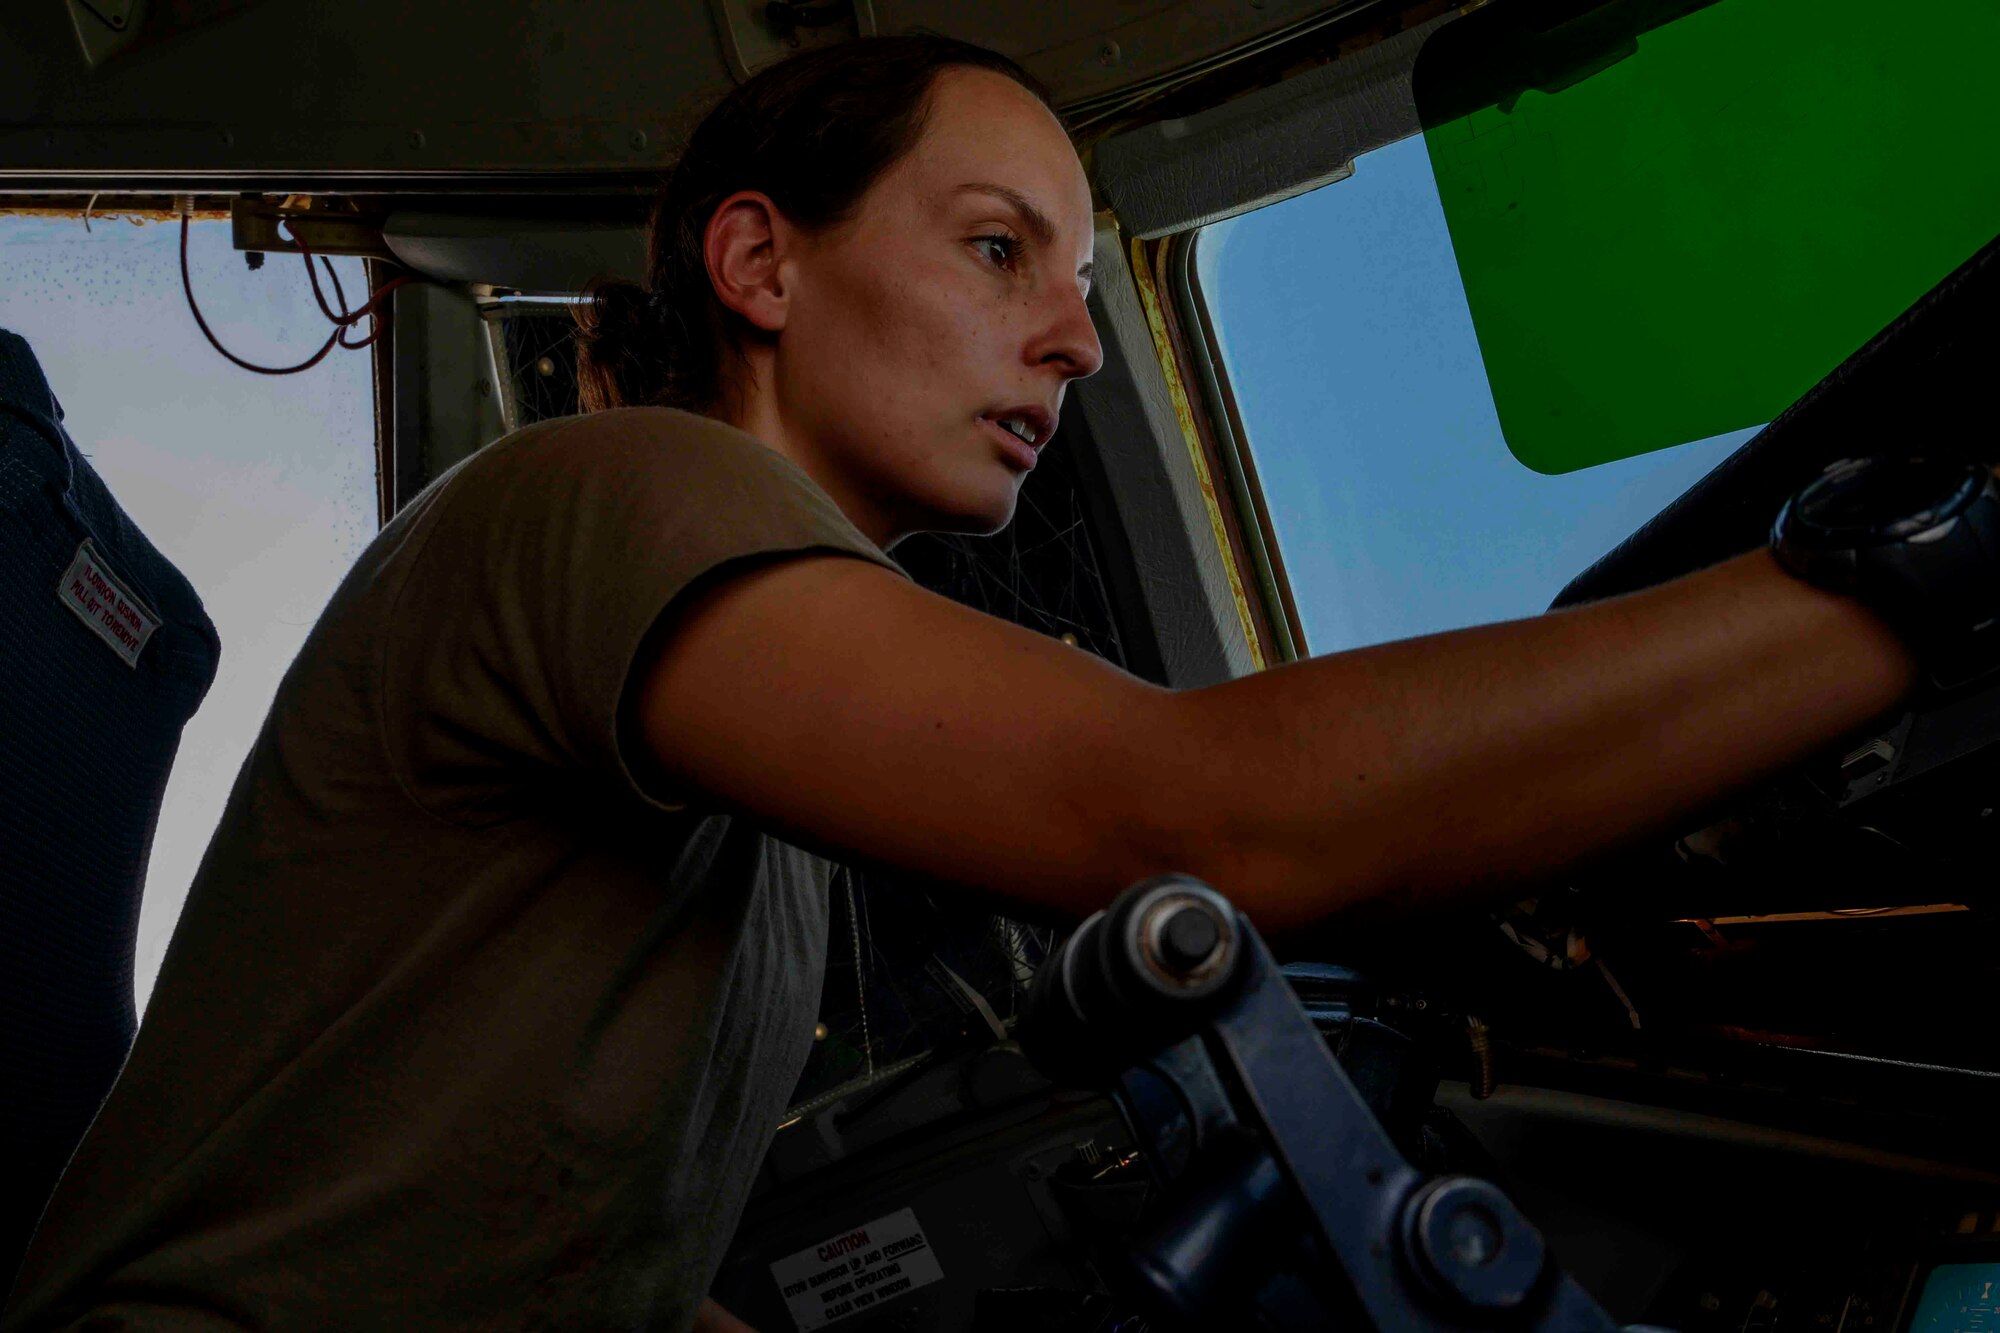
{"x": 1480, "y": 1038}
{"x": 342, "y": 322}
{"x": 187, "y": 285}
{"x": 860, "y": 987}
{"x": 345, "y": 320}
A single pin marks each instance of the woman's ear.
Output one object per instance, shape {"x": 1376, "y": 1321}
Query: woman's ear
{"x": 744, "y": 247}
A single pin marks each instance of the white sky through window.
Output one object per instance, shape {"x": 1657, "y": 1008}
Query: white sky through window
{"x": 261, "y": 489}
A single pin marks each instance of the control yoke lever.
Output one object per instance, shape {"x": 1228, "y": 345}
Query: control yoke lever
{"x": 1172, "y": 979}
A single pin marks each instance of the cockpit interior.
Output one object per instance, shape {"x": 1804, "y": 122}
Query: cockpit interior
{"x": 1414, "y": 316}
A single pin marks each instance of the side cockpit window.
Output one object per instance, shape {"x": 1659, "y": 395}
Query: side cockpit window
{"x": 260, "y": 489}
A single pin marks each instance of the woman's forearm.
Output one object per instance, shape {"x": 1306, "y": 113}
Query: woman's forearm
{"x": 1415, "y": 770}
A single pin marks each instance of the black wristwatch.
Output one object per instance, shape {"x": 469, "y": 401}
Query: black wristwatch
{"x": 1916, "y": 539}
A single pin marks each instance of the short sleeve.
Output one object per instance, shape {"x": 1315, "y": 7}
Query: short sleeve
{"x": 545, "y": 562}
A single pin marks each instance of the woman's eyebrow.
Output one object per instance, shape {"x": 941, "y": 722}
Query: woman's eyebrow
{"x": 1034, "y": 219}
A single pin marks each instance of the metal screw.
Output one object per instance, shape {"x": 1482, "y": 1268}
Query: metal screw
{"x": 1109, "y": 54}
{"x": 416, "y": 138}
{"x": 484, "y": 388}
{"x": 229, "y": 138}
{"x": 638, "y": 141}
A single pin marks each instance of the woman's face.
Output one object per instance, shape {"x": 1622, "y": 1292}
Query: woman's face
{"x": 927, "y": 333}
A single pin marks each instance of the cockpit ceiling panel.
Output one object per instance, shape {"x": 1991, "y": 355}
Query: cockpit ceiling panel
{"x": 436, "y": 90}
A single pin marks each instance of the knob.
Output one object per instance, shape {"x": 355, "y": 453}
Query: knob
{"x": 1187, "y": 939}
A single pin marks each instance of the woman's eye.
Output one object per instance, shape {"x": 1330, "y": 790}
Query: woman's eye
{"x": 999, "y": 250}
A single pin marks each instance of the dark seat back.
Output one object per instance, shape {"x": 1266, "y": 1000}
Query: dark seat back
{"x": 105, "y": 652}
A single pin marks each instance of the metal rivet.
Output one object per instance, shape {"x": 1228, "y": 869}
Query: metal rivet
{"x": 228, "y": 138}
{"x": 1069, "y": 639}
{"x": 545, "y": 366}
{"x": 819, "y": 1032}
{"x": 416, "y": 138}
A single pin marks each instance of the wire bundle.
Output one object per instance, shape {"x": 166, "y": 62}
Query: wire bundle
{"x": 343, "y": 320}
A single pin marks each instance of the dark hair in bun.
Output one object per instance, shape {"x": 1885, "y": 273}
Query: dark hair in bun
{"x": 813, "y": 132}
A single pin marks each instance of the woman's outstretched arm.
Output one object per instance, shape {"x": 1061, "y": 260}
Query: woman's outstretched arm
{"x": 867, "y": 716}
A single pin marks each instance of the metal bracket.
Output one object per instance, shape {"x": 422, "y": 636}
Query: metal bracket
{"x": 105, "y": 27}
{"x": 751, "y": 40}
{"x": 254, "y": 225}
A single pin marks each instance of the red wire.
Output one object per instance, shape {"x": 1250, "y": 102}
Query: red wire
{"x": 342, "y": 322}
{"x": 340, "y": 298}
{"x": 344, "y": 319}
{"x": 187, "y": 285}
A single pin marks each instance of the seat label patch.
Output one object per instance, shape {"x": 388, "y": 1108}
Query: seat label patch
{"x": 856, "y": 1271}
{"x": 101, "y": 600}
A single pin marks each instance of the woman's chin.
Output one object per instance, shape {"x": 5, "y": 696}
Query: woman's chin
{"x": 975, "y": 508}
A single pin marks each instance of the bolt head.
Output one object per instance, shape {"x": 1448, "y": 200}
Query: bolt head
{"x": 1474, "y": 1244}
{"x": 1188, "y": 938}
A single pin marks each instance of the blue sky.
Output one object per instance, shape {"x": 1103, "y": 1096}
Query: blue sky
{"x": 1398, "y": 509}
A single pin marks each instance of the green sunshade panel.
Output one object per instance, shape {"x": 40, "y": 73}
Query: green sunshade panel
{"x": 1682, "y": 242}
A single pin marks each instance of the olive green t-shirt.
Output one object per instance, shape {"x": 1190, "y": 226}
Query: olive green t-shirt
{"x": 463, "y": 1026}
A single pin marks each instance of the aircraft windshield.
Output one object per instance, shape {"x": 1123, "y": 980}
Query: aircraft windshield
{"x": 1353, "y": 358}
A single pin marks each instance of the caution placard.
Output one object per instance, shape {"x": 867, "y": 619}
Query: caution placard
{"x": 856, "y": 1271}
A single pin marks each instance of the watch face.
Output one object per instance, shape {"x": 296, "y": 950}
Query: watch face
{"x": 1886, "y": 499}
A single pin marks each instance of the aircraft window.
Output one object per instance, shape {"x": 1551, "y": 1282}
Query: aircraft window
{"x": 1349, "y": 347}
{"x": 260, "y": 488}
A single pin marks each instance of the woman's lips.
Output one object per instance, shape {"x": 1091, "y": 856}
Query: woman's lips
{"x": 1016, "y": 450}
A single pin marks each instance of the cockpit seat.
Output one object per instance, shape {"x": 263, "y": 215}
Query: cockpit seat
{"x": 105, "y": 651}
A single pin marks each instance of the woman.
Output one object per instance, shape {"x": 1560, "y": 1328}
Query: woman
{"x": 504, "y": 956}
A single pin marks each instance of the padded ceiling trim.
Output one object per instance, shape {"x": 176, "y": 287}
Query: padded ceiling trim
{"x": 460, "y": 91}
{"x": 1270, "y": 145}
